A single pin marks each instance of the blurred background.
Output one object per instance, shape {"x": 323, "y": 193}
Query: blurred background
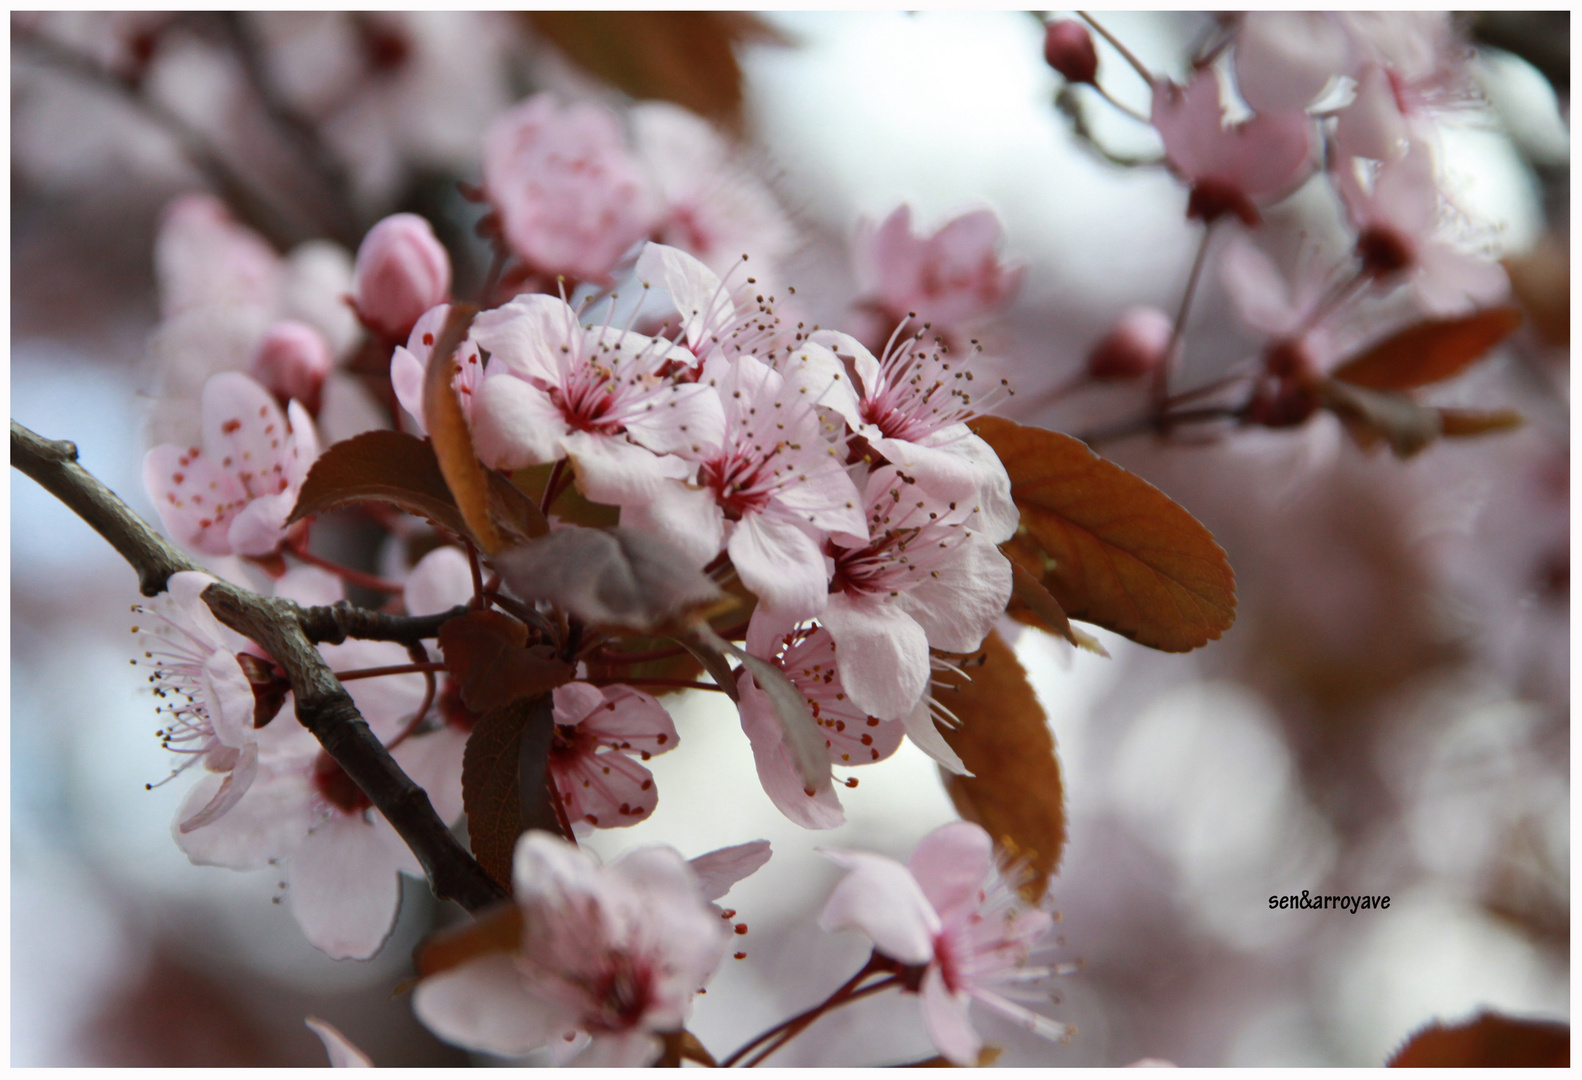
{"x": 1389, "y": 715}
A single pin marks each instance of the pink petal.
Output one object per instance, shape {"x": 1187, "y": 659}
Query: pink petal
{"x": 575, "y": 701}
{"x": 951, "y": 864}
{"x": 777, "y": 770}
{"x": 631, "y": 718}
{"x": 483, "y": 1005}
{"x": 441, "y": 580}
{"x": 958, "y": 607}
{"x": 688, "y": 519}
{"x": 172, "y": 479}
{"x": 945, "y": 1014}
{"x": 343, "y": 1055}
{"x": 344, "y": 890}
{"x": 607, "y": 790}
{"x": 525, "y": 336}
{"x": 779, "y": 562}
{"x": 406, "y": 378}
{"x": 1285, "y": 59}
{"x": 271, "y": 818}
{"x": 515, "y": 424}
{"x": 632, "y": 1050}
{"x": 880, "y": 898}
{"x": 260, "y": 526}
{"x": 718, "y": 870}
{"x": 229, "y": 696}
{"x": 236, "y": 783}
{"x": 882, "y": 652}
{"x": 681, "y": 422}
{"x": 704, "y": 304}
{"x": 613, "y": 471}
{"x": 1372, "y": 125}
{"x": 924, "y": 733}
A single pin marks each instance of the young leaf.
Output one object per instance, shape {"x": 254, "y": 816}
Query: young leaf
{"x": 487, "y": 654}
{"x": 492, "y": 781}
{"x": 496, "y": 930}
{"x": 1429, "y": 351}
{"x": 1374, "y": 415}
{"x": 380, "y": 466}
{"x": 1014, "y": 791}
{"x": 447, "y": 428}
{"x": 1489, "y": 1041}
{"x": 609, "y": 577}
{"x": 1122, "y": 554}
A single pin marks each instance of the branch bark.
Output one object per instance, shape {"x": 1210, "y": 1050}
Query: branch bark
{"x": 287, "y": 633}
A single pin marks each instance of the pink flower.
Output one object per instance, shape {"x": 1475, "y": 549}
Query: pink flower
{"x": 1397, "y": 216}
{"x": 958, "y": 927}
{"x": 712, "y": 204}
{"x": 233, "y": 494}
{"x": 610, "y": 959}
{"x": 409, "y": 363}
{"x": 291, "y": 362}
{"x": 716, "y": 318}
{"x": 402, "y": 271}
{"x": 949, "y": 279}
{"x": 913, "y": 409}
{"x": 1228, "y": 166}
{"x": 598, "y": 395}
{"x": 203, "y": 257}
{"x": 342, "y": 857}
{"x": 208, "y": 702}
{"x": 597, "y": 733}
{"x": 570, "y": 196}
{"x": 852, "y": 737}
{"x": 771, "y": 486}
{"x": 1288, "y": 313}
{"x": 924, "y": 577}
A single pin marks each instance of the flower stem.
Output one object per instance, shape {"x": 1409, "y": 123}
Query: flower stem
{"x": 392, "y": 669}
{"x": 793, "y": 1026}
{"x": 1126, "y": 54}
{"x": 1161, "y": 385}
{"x": 346, "y": 573}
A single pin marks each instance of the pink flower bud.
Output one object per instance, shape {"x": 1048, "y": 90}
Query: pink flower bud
{"x": 1068, "y": 48}
{"x": 402, "y": 271}
{"x": 1134, "y": 346}
{"x": 291, "y": 362}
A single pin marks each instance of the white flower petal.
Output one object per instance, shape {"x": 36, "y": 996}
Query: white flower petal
{"x": 945, "y": 1014}
{"x": 344, "y": 891}
{"x": 882, "y": 653}
{"x": 879, "y": 897}
{"x": 779, "y": 562}
{"x": 484, "y": 1005}
{"x": 515, "y": 424}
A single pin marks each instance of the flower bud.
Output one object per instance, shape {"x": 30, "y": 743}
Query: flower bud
{"x": 1068, "y": 48}
{"x": 1134, "y": 346}
{"x": 291, "y": 362}
{"x": 402, "y": 270}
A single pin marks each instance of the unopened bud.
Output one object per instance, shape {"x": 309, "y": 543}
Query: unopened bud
{"x": 1068, "y": 48}
{"x": 291, "y": 362}
{"x": 402, "y": 270}
{"x": 1134, "y": 346}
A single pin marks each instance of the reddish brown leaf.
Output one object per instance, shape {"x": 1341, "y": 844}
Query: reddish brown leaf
{"x": 513, "y": 513}
{"x": 1462, "y": 423}
{"x": 487, "y": 654}
{"x": 1121, "y": 553}
{"x": 687, "y": 57}
{"x": 1489, "y": 1041}
{"x": 1004, "y": 740}
{"x": 1429, "y": 351}
{"x": 501, "y": 802}
{"x": 571, "y": 505}
{"x": 497, "y": 930}
{"x": 447, "y": 427}
{"x": 1028, "y": 591}
{"x": 380, "y": 466}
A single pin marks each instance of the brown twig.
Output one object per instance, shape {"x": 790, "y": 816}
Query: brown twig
{"x": 286, "y": 633}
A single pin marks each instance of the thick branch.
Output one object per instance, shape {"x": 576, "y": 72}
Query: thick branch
{"x": 334, "y": 625}
{"x": 285, "y": 631}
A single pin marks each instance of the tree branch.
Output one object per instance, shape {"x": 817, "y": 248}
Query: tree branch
{"x": 287, "y": 633}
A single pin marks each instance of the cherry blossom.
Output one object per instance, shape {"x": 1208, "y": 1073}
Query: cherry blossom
{"x": 408, "y": 364}
{"x": 770, "y": 487}
{"x": 913, "y": 409}
{"x": 807, "y": 657}
{"x": 1285, "y": 59}
{"x": 726, "y": 316}
{"x": 712, "y": 204}
{"x": 571, "y": 197}
{"x": 1228, "y": 166}
{"x": 208, "y": 701}
{"x": 923, "y": 578}
{"x": 1396, "y": 211}
{"x": 598, "y": 730}
{"x": 341, "y": 856}
{"x": 598, "y": 395}
{"x": 952, "y": 918}
{"x": 234, "y": 493}
{"x": 610, "y": 958}
{"x": 949, "y": 278}
{"x": 402, "y": 271}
